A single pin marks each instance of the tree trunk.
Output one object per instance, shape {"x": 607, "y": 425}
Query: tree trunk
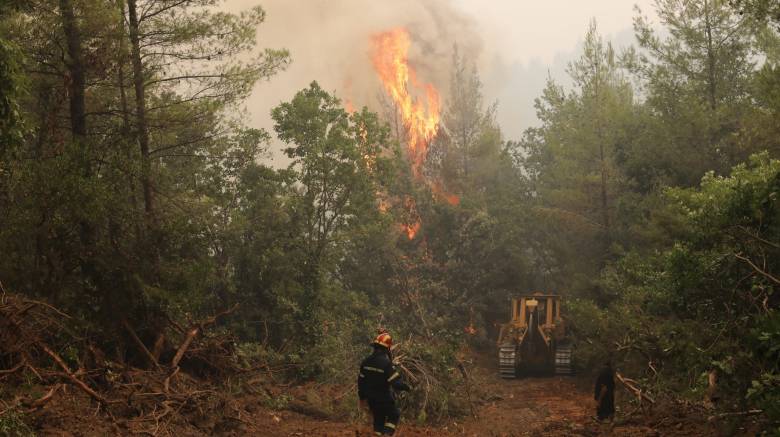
{"x": 142, "y": 130}
{"x": 711, "y": 85}
{"x": 78, "y": 123}
{"x": 126, "y": 113}
{"x": 77, "y": 80}
{"x": 604, "y": 195}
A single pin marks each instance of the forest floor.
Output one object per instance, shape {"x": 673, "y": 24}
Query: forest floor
{"x": 551, "y": 406}
{"x": 539, "y": 406}
{"x": 103, "y": 398}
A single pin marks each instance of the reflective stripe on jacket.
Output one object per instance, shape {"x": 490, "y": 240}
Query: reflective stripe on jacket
{"x": 377, "y": 375}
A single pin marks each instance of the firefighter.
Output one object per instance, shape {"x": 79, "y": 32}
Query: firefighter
{"x": 376, "y": 378}
{"x": 604, "y": 392}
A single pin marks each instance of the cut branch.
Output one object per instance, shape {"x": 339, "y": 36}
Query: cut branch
{"x": 738, "y": 413}
{"x": 43, "y": 400}
{"x": 79, "y": 383}
{"x": 194, "y": 331}
{"x": 630, "y": 384}
{"x": 4, "y": 373}
{"x": 141, "y": 346}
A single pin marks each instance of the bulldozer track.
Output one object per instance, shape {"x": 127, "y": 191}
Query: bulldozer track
{"x": 507, "y": 355}
{"x": 563, "y": 360}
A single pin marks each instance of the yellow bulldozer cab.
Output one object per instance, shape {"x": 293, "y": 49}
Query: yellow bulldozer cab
{"x": 534, "y": 337}
{"x": 548, "y": 306}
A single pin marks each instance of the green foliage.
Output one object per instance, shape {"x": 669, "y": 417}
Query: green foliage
{"x": 698, "y": 86}
{"x": 73, "y": 226}
{"x": 759, "y": 9}
{"x": 640, "y": 197}
{"x": 12, "y": 424}
{"x": 707, "y": 301}
{"x": 764, "y": 389}
{"x": 440, "y": 393}
{"x": 574, "y": 163}
{"x": 10, "y": 84}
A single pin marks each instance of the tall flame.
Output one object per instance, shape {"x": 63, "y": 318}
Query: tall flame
{"x": 420, "y": 117}
{"x": 390, "y": 58}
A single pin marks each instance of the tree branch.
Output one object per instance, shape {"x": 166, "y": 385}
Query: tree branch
{"x": 758, "y": 269}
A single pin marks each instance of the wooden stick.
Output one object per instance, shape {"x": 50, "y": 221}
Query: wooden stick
{"x": 44, "y": 304}
{"x": 184, "y": 346}
{"x": 43, "y": 400}
{"x": 12, "y": 370}
{"x": 194, "y": 331}
{"x": 158, "y": 347}
{"x": 167, "y": 383}
{"x": 79, "y": 383}
{"x": 740, "y": 413}
{"x": 758, "y": 269}
{"x": 141, "y": 346}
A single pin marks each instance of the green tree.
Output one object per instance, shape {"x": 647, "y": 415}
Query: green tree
{"x": 337, "y": 160}
{"x": 760, "y": 9}
{"x": 178, "y": 45}
{"x": 697, "y": 83}
{"x": 707, "y": 300}
{"x": 464, "y": 156}
{"x": 573, "y": 163}
{"x": 10, "y": 78}
{"x": 74, "y": 230}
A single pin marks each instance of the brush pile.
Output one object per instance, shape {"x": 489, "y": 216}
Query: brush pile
{"x": 43, "y": 356}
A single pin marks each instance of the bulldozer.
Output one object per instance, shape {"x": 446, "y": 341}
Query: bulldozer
{"x": 534, "y": 341}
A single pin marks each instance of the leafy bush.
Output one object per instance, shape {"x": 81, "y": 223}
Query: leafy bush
{"x": 706, "y": 302}
{"x": 765, "y": 389}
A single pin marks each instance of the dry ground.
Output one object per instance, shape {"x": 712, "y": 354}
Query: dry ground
{"x": 552, "y": 406}
{"x": 524, "y": 407}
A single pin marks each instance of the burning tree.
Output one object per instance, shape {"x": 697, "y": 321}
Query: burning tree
{"x": 420, "y": 116}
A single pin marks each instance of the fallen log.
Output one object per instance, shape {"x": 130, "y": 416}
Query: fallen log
{"x": 308, "y": 410}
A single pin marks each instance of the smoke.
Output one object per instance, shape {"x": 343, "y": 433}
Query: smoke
{"x": 516, "y": 46}
{"x": 330, "y": 42}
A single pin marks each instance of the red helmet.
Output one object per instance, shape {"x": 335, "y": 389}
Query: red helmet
{"x": 384, "y": 339}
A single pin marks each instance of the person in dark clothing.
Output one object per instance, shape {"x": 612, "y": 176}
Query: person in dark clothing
{"x": 376, "y": 380}
{"x": 604, "y": 393}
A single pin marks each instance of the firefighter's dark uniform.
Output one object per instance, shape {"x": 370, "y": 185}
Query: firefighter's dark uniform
{"x": 606, "y": 402}
{"x": 377, "y": 376}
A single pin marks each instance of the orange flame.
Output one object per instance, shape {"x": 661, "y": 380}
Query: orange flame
{"x": 390, "y": 58}
{"x": 420, "y": 119}
{"x": 412, "y": 227}
{"x": 438, "y": 190}
{"x": 349, "y": 106}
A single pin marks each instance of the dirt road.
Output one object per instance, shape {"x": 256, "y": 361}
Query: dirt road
{"x": 553, "y": 406}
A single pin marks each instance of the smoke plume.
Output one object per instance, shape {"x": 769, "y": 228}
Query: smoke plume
{"x": 330, "y": 42}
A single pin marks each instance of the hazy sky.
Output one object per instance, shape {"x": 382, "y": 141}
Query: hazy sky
{"x": 515, "y": 43}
